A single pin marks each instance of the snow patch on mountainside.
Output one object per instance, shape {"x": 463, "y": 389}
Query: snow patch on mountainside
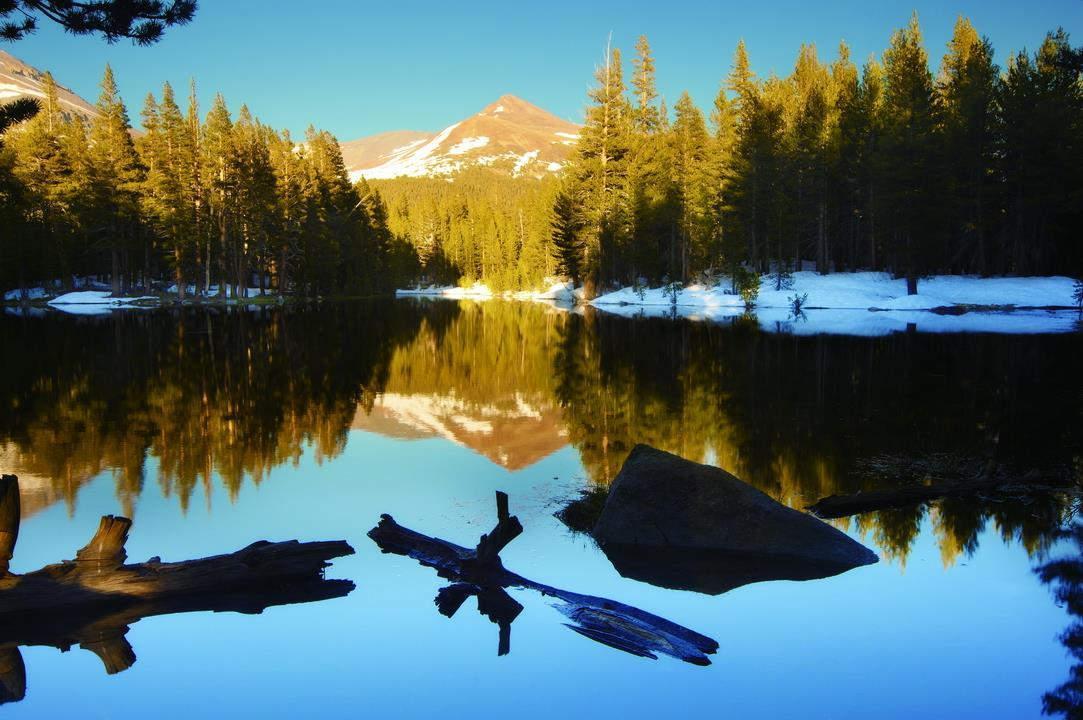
{"x": 524, "y": 160}
{"x": 510, "y": 135}
{"x": 411, "y": 161}
{"x": 470, "y": 143}
{"x": 405, "y": 148}
{"x": 7, "y": 90}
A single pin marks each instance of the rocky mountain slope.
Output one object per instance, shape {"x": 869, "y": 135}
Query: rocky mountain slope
{"x": 510, "y": 134}
{"x": 17, "y": 79}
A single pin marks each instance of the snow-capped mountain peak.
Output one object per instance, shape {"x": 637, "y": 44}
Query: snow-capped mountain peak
{"x": 509, "y": 134}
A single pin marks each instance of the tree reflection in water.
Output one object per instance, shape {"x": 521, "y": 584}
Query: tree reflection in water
{"x": 232, "y": 394}
{"x": 1065, "y": 576}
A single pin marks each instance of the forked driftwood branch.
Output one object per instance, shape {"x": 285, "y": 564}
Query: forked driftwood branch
{"x": 479, "y": 572}
{"x": 91, "y": 601}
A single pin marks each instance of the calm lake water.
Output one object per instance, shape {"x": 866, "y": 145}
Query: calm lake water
{"x": 213, "y": 429}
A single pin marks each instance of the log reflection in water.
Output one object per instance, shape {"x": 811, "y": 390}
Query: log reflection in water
{"x": 91, "y": 601}
{"x": 479, "y": 572}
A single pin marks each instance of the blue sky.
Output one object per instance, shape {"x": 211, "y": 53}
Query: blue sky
{"x": 357, "y": 68}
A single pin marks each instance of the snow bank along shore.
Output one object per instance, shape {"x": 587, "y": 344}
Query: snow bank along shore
{"x": 97, "y": 299}
{"x": 862, "y": 303}
{"x": 557, "y": 291}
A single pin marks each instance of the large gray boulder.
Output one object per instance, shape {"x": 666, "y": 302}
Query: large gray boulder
{"x": 679, "y": 524}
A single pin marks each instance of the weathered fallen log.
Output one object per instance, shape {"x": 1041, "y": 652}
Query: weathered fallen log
{"x": 91, "y": 601}
{"x": 98, "y": 576}
{"x": 837, "y": 506}
{"x": 480, "y": 572}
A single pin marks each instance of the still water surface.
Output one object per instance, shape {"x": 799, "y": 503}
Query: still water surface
{"x": 214, "y": 428}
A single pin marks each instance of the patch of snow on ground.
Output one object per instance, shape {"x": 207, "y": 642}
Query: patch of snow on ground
{"x": 554, "y": 167}
{"x": 34, "y": 293}
{"x": 863, "y": 304}
{"x": 864, "y": 290}
{"x": 468, "y": 144}
{"x": 498, "y": 109}
{"x": 477, "y": 291}
{"x": 844, "y": 303}
{"x": 96, "y": 297}
{"x": 554, "y": 290}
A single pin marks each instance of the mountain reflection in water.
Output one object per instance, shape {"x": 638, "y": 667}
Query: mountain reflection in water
{"x": 236, "y": 393}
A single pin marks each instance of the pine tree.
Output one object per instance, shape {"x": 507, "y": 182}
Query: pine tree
{"x": 813, "y": 128}
{"x": 870, "y": 132}
{"x": 567, "y": 238}
{"x": 650, "y": 191}
{"x": 197, "y": 193}
{"x": 255, "y": 201}
{"x": 691, "y": 183}
{"x": 169, "y": 157}
{"x": 601, "y": 166}
{"x": 17, "y": 111}
{"x": 1039, "y": 127}
{"x": 288, "y": 164}
{"x": 845, "y": 175}
{"x": 645, "y": 115}
{"x": 119, "y": 174}
{"x": 43, "y": 167}
{"x": 754, "y": 131}
{"x": 219, "y": 177}
{"x": 911, "y": 154}
{"x": 742, "y": 81}
{"x": 967, "y": 90}
{"x": 142, "y": 21}
{"x": 722, "y": 171}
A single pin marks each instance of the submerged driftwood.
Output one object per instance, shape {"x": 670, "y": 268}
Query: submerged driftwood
{"x": 479, "y": 572}
{"x": 91, "y": 601}
{"x": 946, "y": 478}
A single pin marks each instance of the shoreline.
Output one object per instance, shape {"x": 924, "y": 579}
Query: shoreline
{"x": 859, "y": 303}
